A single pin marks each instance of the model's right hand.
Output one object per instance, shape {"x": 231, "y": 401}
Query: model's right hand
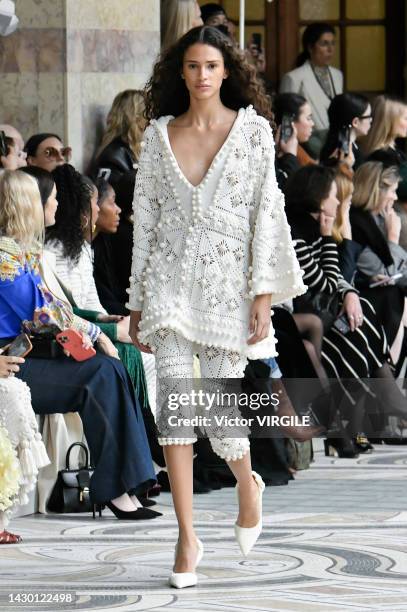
{"x": 135, "y": 317}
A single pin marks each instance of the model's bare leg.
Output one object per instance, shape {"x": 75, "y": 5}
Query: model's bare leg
{"x": 179, "y": 461}
{"x": 249, "y": 509}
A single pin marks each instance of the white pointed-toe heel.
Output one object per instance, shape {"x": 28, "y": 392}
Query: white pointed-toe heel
{"x": 247, "y": 536}
{"x": 180, "y": 580}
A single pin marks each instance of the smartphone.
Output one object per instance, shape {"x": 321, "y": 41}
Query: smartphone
{"x": 20, "y": 347}
{"x": 3, "y": 145}
{"x": 344, "y": 140}
{"x": 104, "y": 173}
{"x": 342, "y": 324}
{"x": 386, "y": 281}
{"x": 286, "y": 127}
{"x": 72, "y": 341}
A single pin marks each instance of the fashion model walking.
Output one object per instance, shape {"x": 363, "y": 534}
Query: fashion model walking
{"x": 212, "y": 251}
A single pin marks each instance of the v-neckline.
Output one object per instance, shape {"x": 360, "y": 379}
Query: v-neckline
{"x": 215, "y": 158}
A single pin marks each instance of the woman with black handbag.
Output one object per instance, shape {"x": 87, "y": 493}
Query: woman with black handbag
{"x": 99, "y": 388}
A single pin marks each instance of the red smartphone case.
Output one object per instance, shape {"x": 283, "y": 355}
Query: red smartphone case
{"x": 72, "y": 341}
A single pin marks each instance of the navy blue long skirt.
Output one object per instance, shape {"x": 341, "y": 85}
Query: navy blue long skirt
{"x": 101, "y": 391}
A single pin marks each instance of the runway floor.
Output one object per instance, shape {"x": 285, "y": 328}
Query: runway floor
{"x": 334, "y": 540}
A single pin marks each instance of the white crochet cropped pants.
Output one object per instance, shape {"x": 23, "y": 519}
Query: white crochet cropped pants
{"x": 174, "y": 362}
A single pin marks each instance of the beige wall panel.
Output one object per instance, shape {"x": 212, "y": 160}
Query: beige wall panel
{"x": 41, "y": 13}
{"x": 113, "y": 15}
{"x": 51, "y": 103}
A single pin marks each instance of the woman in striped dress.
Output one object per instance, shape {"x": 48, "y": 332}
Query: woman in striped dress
{"x": 354, "y": 346}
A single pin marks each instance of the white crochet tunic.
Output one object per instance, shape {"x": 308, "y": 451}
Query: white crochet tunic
{"x": 202, "y": 253}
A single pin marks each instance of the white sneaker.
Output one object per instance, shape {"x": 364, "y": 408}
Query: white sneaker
{"x": 247, "y": 536}
{"x": 180, "y": 580}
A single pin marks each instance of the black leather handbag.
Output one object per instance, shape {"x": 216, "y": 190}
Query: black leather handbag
{"x": 71, "y": 490}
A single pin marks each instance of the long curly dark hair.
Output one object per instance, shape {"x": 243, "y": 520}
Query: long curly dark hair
{"x": 74, "y": 193}
{"x": 166, "y": 93}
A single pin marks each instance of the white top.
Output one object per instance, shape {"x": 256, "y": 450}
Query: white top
{"x": 202, "y": 253}
{"x": 77, "y": 278}
{"x": 303, "y": 81}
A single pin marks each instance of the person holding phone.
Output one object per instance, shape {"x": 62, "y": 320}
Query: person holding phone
{"x": 350, "y": 119}
{"x": 99, "y": 388}
{"x": 293, "y": 116}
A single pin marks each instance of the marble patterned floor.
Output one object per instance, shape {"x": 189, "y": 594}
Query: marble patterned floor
{"x": 334, "y": 540}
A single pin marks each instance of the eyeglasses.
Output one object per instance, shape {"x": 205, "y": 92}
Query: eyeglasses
{"x": 53, "y": 153}
{"x": 366, "y": 117}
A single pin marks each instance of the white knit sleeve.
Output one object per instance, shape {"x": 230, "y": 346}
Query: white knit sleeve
{"x": 275, "y": 268}
{"x": 146, "y": 212}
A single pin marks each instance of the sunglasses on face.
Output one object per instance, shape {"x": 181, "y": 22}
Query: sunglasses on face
{"x": 53, "y": 153}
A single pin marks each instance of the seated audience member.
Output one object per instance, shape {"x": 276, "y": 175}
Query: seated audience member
{"x": 350, "y": 118}
{"x": 389, "y": 123}
{"x": 290, "y": 154}
{"x": 376, "y": 229}
{"x": 24, "y": 448}
{"x": 47, "y": 151}
{"x": 177, "y": 18}
{"x": 104, "y": 271}
{"x": 316, "y": 79}
{"x": 355, "y": 347}
{"x": 120, "y": 148}
{"x": 68, "y": 251}
{"x": 16, "y": 157}
{"x": 98, "y": 388}
{"x": 10, "y": 161}
{"x": 122, "y": 241}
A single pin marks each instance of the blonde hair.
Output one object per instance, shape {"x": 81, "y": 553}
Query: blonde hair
{"x": 344, "y": 184}
{"x": 21, "y": 210}
{"x": 382, "y": 133}
{"x": 177, "y": 18}
{"x": 372, "y": 180}
{"x": 125, "y": 120}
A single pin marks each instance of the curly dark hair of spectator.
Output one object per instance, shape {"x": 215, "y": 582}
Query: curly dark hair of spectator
{"x": 307, "y": 188}
{"x": 74, "y": 192}
{"x": 166, "y": 93}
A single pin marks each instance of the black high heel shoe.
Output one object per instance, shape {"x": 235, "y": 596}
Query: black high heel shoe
{"x": 139, "y": 514}
{"x": 342, "y": 446}
{"x": 146, "y": 502}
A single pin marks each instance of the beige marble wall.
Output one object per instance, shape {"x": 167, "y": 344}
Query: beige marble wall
{"x": 61, "y": 70}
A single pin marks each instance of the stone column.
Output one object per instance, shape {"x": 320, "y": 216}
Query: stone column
{"x": 68, "y": 60}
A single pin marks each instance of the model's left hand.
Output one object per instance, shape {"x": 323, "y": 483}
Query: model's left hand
{"x": 260, "y": 315}
{"x": 352, "y": 308}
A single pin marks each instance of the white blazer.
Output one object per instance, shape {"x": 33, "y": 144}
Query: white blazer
{"x": 302, "y": 81}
